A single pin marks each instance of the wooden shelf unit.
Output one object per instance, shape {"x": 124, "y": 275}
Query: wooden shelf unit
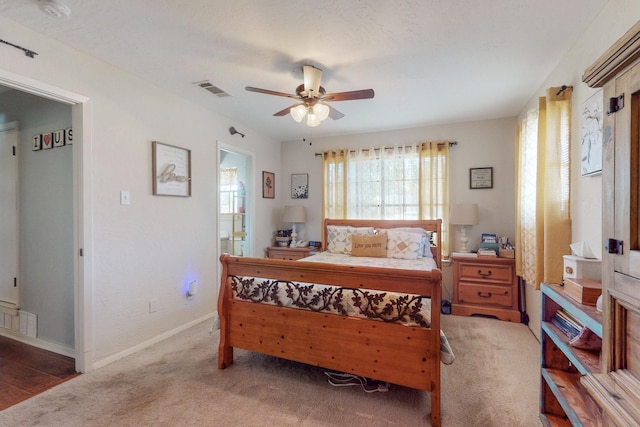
{"x": 563, "y": 400}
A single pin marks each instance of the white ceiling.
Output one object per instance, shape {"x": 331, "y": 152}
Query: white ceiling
{"x": 429, "y": 61}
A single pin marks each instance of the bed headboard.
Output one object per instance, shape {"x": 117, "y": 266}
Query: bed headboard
{"x": 434, "y": 225}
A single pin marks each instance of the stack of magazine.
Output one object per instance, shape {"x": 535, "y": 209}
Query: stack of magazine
{"x": 568, "y": 324}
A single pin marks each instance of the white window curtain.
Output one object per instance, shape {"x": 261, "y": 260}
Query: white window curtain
{"x": 388, "y": 183}
{"x": 543, "y": 223}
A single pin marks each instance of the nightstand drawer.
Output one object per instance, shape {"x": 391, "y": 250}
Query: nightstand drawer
{"x": 486, "y": 273}
{"x": 485, "y": 294}
{"x": 287, "y": 253}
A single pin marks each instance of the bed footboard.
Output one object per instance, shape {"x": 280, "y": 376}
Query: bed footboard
{"x": 407, "y": 356}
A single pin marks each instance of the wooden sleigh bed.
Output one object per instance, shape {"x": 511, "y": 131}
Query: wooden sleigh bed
{"x": 392, "y": 352}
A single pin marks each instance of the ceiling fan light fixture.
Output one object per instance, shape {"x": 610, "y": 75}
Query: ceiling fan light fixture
{"x": 298, "y": 112}
{"x": 313, "y": 120}
{"x": 54, "y": 8}
{"x": 321, "y": 110}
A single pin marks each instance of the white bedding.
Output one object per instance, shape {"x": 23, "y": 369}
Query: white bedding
{"x": 345, "y": 259}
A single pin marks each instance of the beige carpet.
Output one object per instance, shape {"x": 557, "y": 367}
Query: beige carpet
{"x": 493, "y": 382}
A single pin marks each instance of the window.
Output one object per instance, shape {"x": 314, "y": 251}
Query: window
{"x": 388, "y": 183}
{"x": 229, "y": 187}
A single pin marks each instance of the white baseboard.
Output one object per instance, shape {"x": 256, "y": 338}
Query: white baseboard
{"x": 150, "y": 342}
{"x": 36, "y": 342}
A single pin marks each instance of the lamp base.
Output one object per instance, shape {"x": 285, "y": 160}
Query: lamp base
{"x": 463, "y": 239}
{"x": 294, "y": 236}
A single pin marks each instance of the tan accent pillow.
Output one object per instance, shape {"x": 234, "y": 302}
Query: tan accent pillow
{"x": 371, "y": 245}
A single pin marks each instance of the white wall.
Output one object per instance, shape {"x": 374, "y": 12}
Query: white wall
{"x": 149, "y": 250}
{"x": 586, "y": 192}
{"x": 480, "y": 144}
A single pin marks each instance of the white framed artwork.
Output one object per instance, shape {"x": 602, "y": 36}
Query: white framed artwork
{"x": 591, "y": 144}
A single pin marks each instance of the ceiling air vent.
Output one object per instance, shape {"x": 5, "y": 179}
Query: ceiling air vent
{"x": 206, "y": 85}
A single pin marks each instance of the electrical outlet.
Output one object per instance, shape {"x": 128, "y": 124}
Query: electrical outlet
{"x": 125, "y": 198}
{"x": 153, "y": 306}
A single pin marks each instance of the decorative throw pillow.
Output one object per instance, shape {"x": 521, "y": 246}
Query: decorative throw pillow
{"x": 404, "y": 245}
{"x": 369, "y": 245}
{"x": 426, "y": 241}
{"x": 338, "y": 241}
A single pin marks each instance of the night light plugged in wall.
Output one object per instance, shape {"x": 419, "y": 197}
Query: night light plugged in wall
{"x": 192, "y": 290}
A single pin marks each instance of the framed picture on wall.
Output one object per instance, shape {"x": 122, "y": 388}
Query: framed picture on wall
{"x": 171, "y": 170}
{"x": 300, "y": 186}
{"x": 268, "y": 185}
{"x": 591, "y": 144}
{"x": 480, "y": 178}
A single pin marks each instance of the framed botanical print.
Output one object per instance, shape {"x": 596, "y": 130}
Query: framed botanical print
{"x": 300, "y": 186}
{"x": 268, "y": 185}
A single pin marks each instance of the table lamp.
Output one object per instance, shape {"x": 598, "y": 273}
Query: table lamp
{"x": 294, "y": 214}
{"x": 464, "y": 215}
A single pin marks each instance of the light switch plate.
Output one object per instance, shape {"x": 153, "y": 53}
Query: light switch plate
{"x": 125, "y": 198}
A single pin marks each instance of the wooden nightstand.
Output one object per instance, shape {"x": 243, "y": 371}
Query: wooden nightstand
{"x": 284, "y": 252}
{"x": 485, "y": 286}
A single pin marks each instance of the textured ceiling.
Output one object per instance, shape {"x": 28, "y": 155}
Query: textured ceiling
{"x": 429, "y": 61}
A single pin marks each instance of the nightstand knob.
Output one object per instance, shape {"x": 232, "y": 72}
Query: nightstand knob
{"x": 487, "y": 295}
{"x": 480, "y": 273}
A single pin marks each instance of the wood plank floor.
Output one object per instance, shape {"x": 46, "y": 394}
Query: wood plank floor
{"x": 26, "y": 371}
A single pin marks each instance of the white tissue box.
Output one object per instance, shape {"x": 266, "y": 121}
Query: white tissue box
{"x": 581, "y": 268}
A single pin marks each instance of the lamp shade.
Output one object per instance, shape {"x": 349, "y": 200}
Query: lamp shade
{"x": 464, "y": 214}
{"x": 294, "y": 214}
{"x": 298, "y": 112}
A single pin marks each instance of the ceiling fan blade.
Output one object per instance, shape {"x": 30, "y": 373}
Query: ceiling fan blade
{"x": 312, "y": 77}
{"x": 285, "y": 111}
{"x": 348, "y": 96}
{"x": 271, "y": 92}
{"x": 334, "y": 114}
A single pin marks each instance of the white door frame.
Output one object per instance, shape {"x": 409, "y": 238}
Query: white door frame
{"x": 82, "y": 207}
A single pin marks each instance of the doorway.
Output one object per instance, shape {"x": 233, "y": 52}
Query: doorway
{"x": 80, "y": 201}
{"x": 9, "y": 227}
{"x": 235, "y": 195}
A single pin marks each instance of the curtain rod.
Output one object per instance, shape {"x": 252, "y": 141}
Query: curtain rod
{"x": 451, "y": 144}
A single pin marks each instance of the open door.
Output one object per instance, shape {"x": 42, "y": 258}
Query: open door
{"x": 235, "y": 180}
{"x": 9, "y": 301}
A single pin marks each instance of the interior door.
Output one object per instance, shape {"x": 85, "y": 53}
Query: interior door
{"x": 8, "y": 213}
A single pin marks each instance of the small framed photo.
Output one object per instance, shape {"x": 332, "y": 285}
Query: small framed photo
{"x": 480, "y": 178}
{"x": 268, "y": 185}
{"x": 171, "y": 170}
{"x": 300, "y": 186}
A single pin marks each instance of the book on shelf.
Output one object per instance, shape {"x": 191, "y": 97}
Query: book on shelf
{"x": 567, "y": 323}
{"x": 564, "y": 327}
{"x": 572, "y": 320}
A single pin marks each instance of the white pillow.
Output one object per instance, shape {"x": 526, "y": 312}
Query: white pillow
{"x": 405, "y": 244}
{"x": 338, "y": 241}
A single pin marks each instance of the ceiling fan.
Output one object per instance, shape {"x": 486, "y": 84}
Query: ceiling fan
{"x": 313, "y": 98}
